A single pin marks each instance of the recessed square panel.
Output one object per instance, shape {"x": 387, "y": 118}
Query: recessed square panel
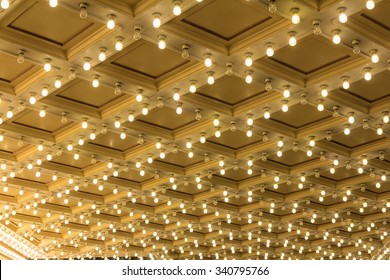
{"x": 235, "y": 139}
{"x": 29, "y": 175}
{"x": 181, "y": 159}
{"x": 68, "y": 159}
{"x": 291, "y": 158}
{"x": 49, "y": 123}
{"x": 147, "y": 59}
{"x": 237, "y": 175}
{"x": 374, "y": 90}
{"x": 231, "y": 90}
{"x": 226, "y": 18}
{"x": 133, "y": 175}
{"x": 378, "y": 17}
{"x": 340, "y": 174}
{"x": 113, "y": 141}
{"x": 167, "y": 118}
{"x": 10, "y": 69}
{"x": 81, "y": 91}
{"x": 359, "y": 136}
{"x": 299, "y": 115}
{"x": 44, "y": 22}
{"x": 11, "y": 146}
{"x": 310, "y": 55}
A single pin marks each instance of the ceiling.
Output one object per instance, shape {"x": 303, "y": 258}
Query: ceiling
{"x": 118, "y": 194}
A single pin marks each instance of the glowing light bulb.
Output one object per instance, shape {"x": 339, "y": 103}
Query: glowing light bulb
{"x": 210, "y": 78}
{"x": 351, "y": 118}
{"x": 176, "y": 7}
{"x": 309, "y": 152}
{"x": 95, "y": 81}
{"x": 179, "y": 108}
{"x": 346, "y": 84}
{"x": 347, "y": 131}
{"x": 119, "y": 43}
{"x": 45, "y": 90}
{"x": 87, "y": 64}
{"x": 4, "y": 4}
{"x": 385, "y": 118}
{"x": 32, "y": 99}
{"x": 192, "y": 88}
{"x": 286, "y": 92}
{"x": 267, "y": 114}
{"x": 102, "y": 54}
{"x": 270, "y": 50}
{"x": 284, "y": 106}
{"x": 374, "y": 56}
{"x": 249, "y": 132}
{"x": 161, "y": 42}
{"x": 370, "y": 4}
{"x": 248, "y": 59}
{"x": 324, "y": 91}
{"x": 156, "y": 20}
{"x": 379, "y": 129}
{"x": 320, "y": 105}
{"x": 312, "y": 142}
{"x": 336, "y": 36}
{"x": 42, "y": 112}
{"x": 10, "y": 112}
{"x": 248, "y": 77}
{"x": 145, "y": 109}
{"x": 292, "y": 40}
{"x": 47, "y": 64}
{"x": 217, "y": 132}
{"x": 207, "y": 60}
{"x": 111, "y": 21}
{"x": 57, "y": 82}
{"x": 342, "y": 15}
{"x": 123, "y": 134}
{"x": 53, "y": 3}
{"x": 139, "y": 96}
{"x": 295, "y": 19}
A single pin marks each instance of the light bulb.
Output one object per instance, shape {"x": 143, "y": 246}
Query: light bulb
{"x": 42, "y": 112}
{"x": 81, "y": 140}
{"x": 87, "y": 63}
{"x": 202, "y": 138}
{"x": 324, "y": 91}
{"x": 20, "y": 58}
{"x": 309, "y": 152}
{"x": 10, "y": 113}
{"x": 229, "y": 69}
{"x": 119, "y": 43}
{"x": 320, "y": 105}
{"x": 336, "y": 36}
{"x": 53, "y": 3}
{"x": 210, "y": 78}
{"x": 117, "y": 123}
{"x": 145, "y": 109}
{"x": 207, "y": 60}
{"x": 374, "y": 56}
{"x": 295, "y": 19}
{"x": 248, "y": 59}
{"x": 292, "y": 41}
{"x": 347, "y": 131}
{"x": 267, "y": 114}
{"x": 286, "y": 92}
{"x": 248, "y": 77}
{"x": 83, "y": 10}
{"x": 370, "y": 4}
{"x": 179, "y": 109}
{"x": 95, "y": 81}
{"x": 351, "y": 118}
{"x": 123, "y": 134}
{"x": 111, "y": 21}
{"x": 346, "y": 84}
{"x": 139, "y": 96}
{"x": 385, "y": 117}
{"x": 161, "y": 42}
{"x": 272, "y": 6}
{"x": 192, "y": 88}
{"x": 284, "y": 106}
{"x": 312, "y": 142}
{"x": 176, "y": 7}
{"x": 47, "y": 64}
{"x": 249, "y": 120}
{"x": 342, "y": 15}
{"x": 216, "y": 120}
{"x": 156, "y": 20}
{"x": 279, "y": 152}
{"x": 102, "y": 54}
{"x": 92, "y": 135}
{"x": 4, "y": 4}
{"x": 57, "y": 82}
{"x": 379, "y": 129}
{"x": 249, "y": 132}
{"x": 270, "y": 50}
{"x": 137, "y": 32}
{"x": 185, "y": 51}
{"x": 32, "y": 100}
{"x": 217, "y": 132}
{"x": 45, "y": 90}
{"x": 316, "y": 27}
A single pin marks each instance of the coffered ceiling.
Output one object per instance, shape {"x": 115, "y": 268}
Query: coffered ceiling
{"x": 124, "y": 161}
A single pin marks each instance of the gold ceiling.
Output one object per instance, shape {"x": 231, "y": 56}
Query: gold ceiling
{"x": 119, "y": 168}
